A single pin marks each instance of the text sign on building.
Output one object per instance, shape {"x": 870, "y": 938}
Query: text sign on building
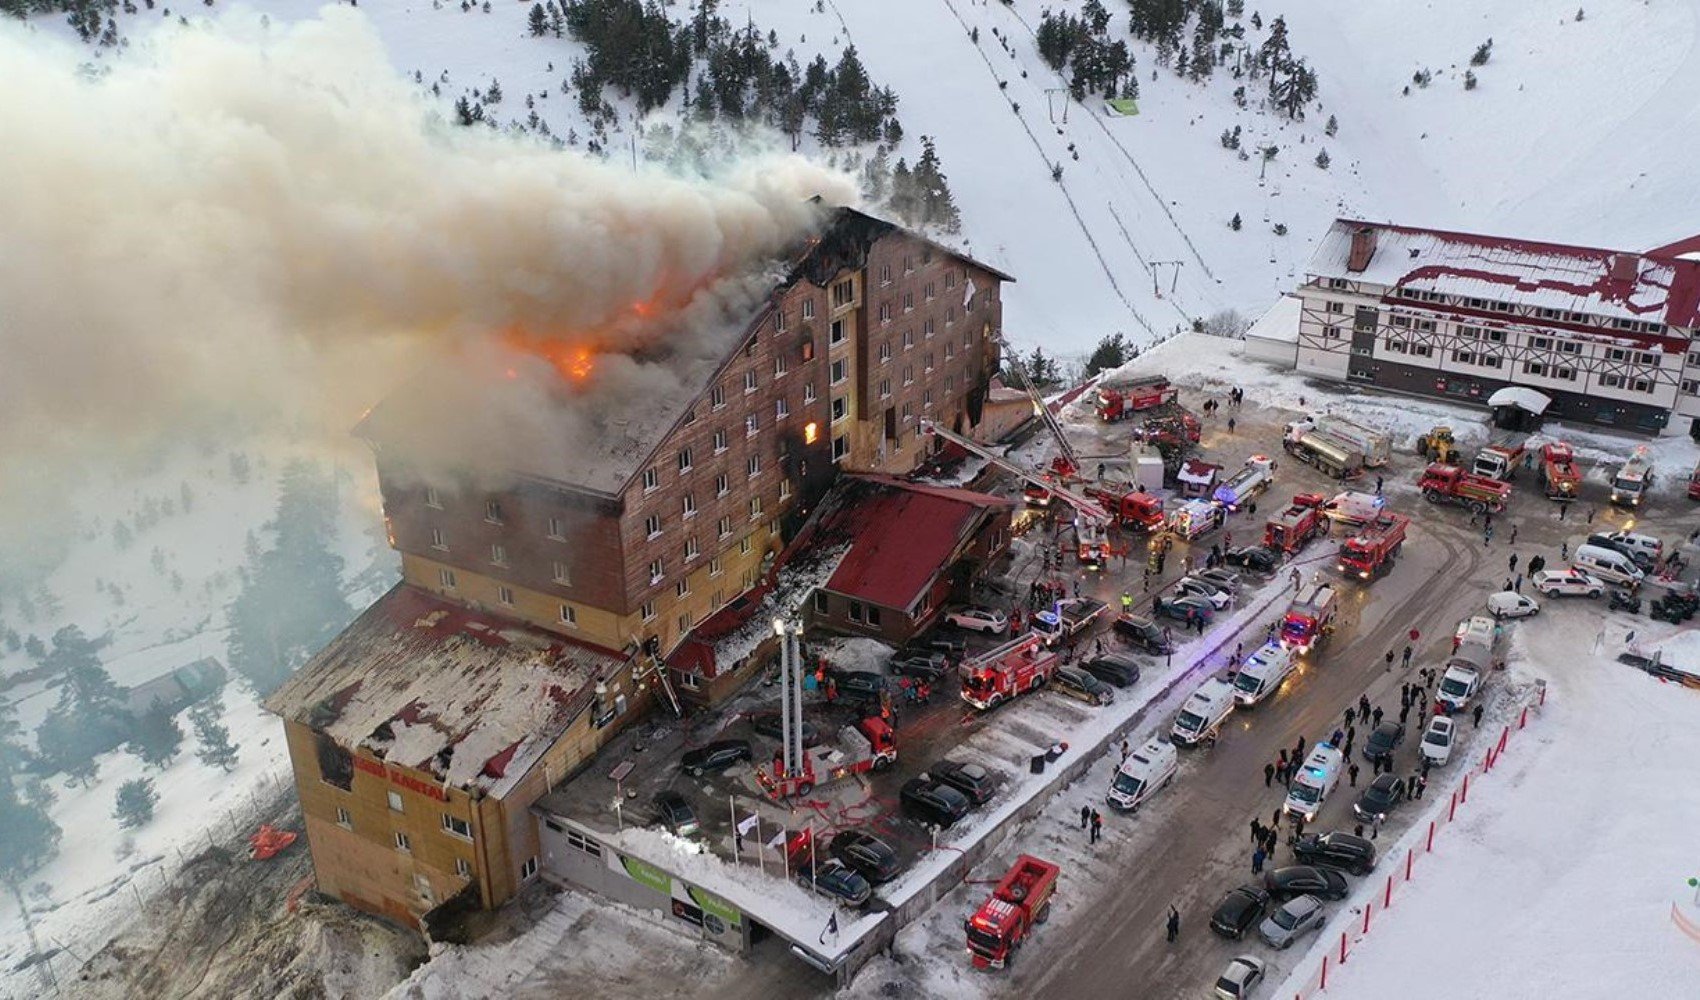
{"x": 401, "y": 778}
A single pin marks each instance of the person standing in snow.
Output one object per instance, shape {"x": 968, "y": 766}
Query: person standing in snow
{"x": 1352, "y": 772}
{"x": 1375, "y": 715}
{"x": 1174, "y": 924}
{"x": 1097, "y": 826}
{"x": 1478, "y": 716}
{"x": 1085, "y": 816}
{"x": 1257, "y": 861}
{"x": 1268, "y": 774}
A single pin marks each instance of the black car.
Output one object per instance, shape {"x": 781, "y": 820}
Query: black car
{"x": 1144, "y": 633}
{"x": 1336, "y": 850}
{"x": 1186, "y": 609}
{"x": 1384, "y": 740}
{"x": 672, "y": 810}
{"x": 955, "y": 648}
{"x": 770, "y": 724}
{"x": 836, "y": 879}
{"x": 1637, "y": 556}
{"x": 866, "y": 853}
{"x": 1256, "y": 558}
{"x": 1079, "y": 684}
{"x": 1113, "y": 669}
{"x": 926, "y": 666}
{"x": 1305, "y": 880}
{"x": 716, "y": 756}
{"x": 972, "y": 780}
{"x": 862, "y": 685}
{"x": 1240, "y": 910}
{"x": 1379, "y": 798}
{"x": 933, "y": 801}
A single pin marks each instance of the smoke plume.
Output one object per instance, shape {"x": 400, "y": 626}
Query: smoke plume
{"x": 241, "y": 222}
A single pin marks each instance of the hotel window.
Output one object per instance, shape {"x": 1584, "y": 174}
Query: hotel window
{"x": 885, "y": 274}
{"x": 569, "y": 616}
{"x": 779, "y": 321}
{"x": 433, "y": 498}
{"x": 930, "y": 291}
{"x": 1464, "y": 357}
{"x": 840, "y": 409}
{"x": 781, "y": 365}
{"x": 1691, "y": 386}
{"x": 681, "y": 589}
{"x": 723, "y": 527}
{"x": 1489, "y": 360}
{"x": 499, "y": 555}
{"x": 1567, "y": 374}
{"x": 457, "y": 827}
{"x": 927, "y": 328}
{"x": 446, "y": 577}
{"x": 1540, "y": 343}
{"x": 505, "y": 595}
{"x": 651, "y": 481}
{"x": 781, "y": 408}
{"x": 751, "y": 424}
{"x": 950, "y": 279}
{"x": 908, "y": 301}
{"x": 691, "y": 548}
{"x": 394, "y": 799}
{"x": 908, "y": 339}
{"x": 873, "y": 616}
{"x": 749, "y": 382}
{"x": 949, "y": 350}
{"x": 908, "y": 264}
{"x": 927, "y": 361}
{"x": 752, "y": 466}
{"x": 657, "y": 570}
{"x": 806, "y": 350}
{"x": 557, "y": 529}
{"x": 755, "y": 508}
{"x": 1336, "y": 307}
{"x": 719, "y": 442}
{"x": 908, "y": 374}
{"x": 343, "y": 819}
{"x": 856, "y": 611}
{"x": 647, "y": 611}
{"x": 559, "y": 573}
{"x": 438, "y": 540}
{"x": 950, "y": 316}
{"x": 843, "y": 293}
{"x": 1534, "y": 368}
{"x": 528, "y": 870}
{"x": 822, "y": 603}
{"x": 840, "y": 371}
{"x": 744, "y": 545}
{"x": 690, "y": 504}
{"x": 885, "y": 388}
{"x": 1648, "y": 359}
{"x": 808, "y": 309}
{"x": 715, "y": 569}
{"x": 721, "y": 488}
{"x": 402, "y": 843}
{"x": 1337, "y": 282}
{"x": 652, "y": 525}
{"x": 785, "y": 489}
{"x": 885, "y": 351}
{"x": 1570, "y": 347}
{"x": 492, "y": 512}
{"x": 684, "y": 460}
{"x": 717, "y": 396}
{"x": 463, "y": 868}
{"x": 690, "y": 417}
{"x": 840, "y": 448}
{"x": 1642, "y": 385}
{"x": 809, "y": 395}
{"x": 926, "y": 399}
{"x": 885, "y": 312}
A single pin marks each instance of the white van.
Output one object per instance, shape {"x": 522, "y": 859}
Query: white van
{"x": 1145, "y": 772}
{"x": 1262, "y": 673}
{"x": 1203, "y": 713}
{"x": 1457, "y": 686}
{"x": 1610, "y": 566}
{"x": 1309, "y": 787}
{"x": 1477, "y": 630}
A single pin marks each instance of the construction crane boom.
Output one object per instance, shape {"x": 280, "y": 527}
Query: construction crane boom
{"x": 1088, "y": 508}
{"x": 1045, "y": 414}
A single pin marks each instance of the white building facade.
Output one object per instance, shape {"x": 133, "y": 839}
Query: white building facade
{"x": 1607, "y": 335}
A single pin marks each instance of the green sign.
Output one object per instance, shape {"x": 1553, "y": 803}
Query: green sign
{"x": 1123, "y": 106}
{"x": 648, "y": 874}
{"x": 715, "y": 905}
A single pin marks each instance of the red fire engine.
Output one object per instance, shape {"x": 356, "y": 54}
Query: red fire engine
{"x": 1309, "y": 619}
{"x": 1139, "y": 509}
{"x": 1560, "y": 477}
{"x": 1124, "y": 399}
{"x": 1290, "y": 530}
{"x": 1370, "y": 552}
{"x": 1021, "y": 901}
{"x": 870, "y": 745}
{"x": 1450, "y": 484}
{"x": 1000, "y": 674}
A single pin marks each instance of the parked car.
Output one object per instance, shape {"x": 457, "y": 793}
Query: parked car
{"x": 1292, "y": 920}
{"x": 1644, "y": 555}
{"x": 770, "y": 724}
{"x": 1510, "y": 604}
{"x": 1568, "y": 582}
{"x": 1239, "y": 911}
{"x": 950, "y": 645}
{"x": 716, "y": 756}
{"x": 1192, "y": 586}
{"x": 1437, "y": 741}
{"x": 861, "y": 685}
{"x": 1145, "y": 634}
{"x": 675, "y": 813}
{"x": 1256, "y": 558}
{"x": 1185, "y": 608}
{"x": 1077, "y": 683}
{"x": 875, "y": 859}
{"x": 1384, "y": 740}
{"x": 926, "y": 666}
{"x": 972, "y": 780}
{"x": 1376, "y": 801}
{"x": 1242, "y": 975}
{"x": 979, "y": 618}
{"x": 1222, "y": 577}
{"x": 1305, "y": 880}
{"x": 933, "y": 801}
{"x": 1343, "y": 851}
{"x": 836, "y": 879}
{"x": 1113, "y": 668}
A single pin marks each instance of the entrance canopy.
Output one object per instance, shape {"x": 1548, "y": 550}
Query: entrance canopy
{"x": 1521, "y": 397}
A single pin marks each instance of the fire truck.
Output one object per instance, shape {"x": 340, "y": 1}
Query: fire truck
{"x": 1375, "y": 446}
{"x": 1371, "y": 551}
{"x": 1329, "y": 454}
{"x": 1500, "y": 459}
{"x": 1139, "y": 509}
{"x": 1021, "y": 900}
{"x": 1067, "y": 619}
{"x": 1560, "y": 478}
{"x": 1290, "y": 530}
{"x": 869, "y": 745}
{"x": 1310, "y": 618}
{"x": 1248, "y": 483}
{"x": 1014, "y": 668}
{"x": 1123, "y": 399}
{"x": 1450, "y": 484}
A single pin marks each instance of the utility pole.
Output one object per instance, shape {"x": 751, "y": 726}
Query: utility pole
{"x": 1051, "y": 106}
{"x": 1174, "y": 280}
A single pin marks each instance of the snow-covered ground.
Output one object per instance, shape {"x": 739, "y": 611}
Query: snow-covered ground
{"x": 1560, "y": 875}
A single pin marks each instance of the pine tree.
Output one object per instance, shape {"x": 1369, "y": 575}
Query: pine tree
{"x": 1484, "y": 52}
{"x": 28, "y": 835}
{"x": 215, "y": 749}
{"x": 1111, "y": 352}
{"x": 494, "y": 94}
{"x": 135, "y": 803}
{"x": 156, "y": 738}
{"x": 938, "y": 207}
{"x": 1234, "y": 223}
{"x": 1332, "y": 127}
{"x": 904, "y": 202}
{"x": 1322, "y": 159}
{"x": 539, "y": 22}
{"x": 1469, "y": 79}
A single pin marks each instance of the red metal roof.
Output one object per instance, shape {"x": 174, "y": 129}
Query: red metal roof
{"x": 902, "y": 534}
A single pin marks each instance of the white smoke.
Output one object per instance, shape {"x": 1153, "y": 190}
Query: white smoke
{"x": 238, "y": 222}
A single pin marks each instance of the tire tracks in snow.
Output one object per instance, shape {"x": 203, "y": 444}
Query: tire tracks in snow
{"x": 1062, "y": 188}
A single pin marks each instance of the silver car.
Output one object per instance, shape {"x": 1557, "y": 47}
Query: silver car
{"x": 1294, "y": 919}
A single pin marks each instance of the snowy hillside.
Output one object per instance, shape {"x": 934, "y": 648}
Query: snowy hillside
{"x": 1568, "y": 116}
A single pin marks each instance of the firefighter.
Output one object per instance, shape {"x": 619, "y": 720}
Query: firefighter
{"x": 1127, "y": 603}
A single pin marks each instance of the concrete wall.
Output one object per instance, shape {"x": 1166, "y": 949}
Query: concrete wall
{"x": 1278, "y": 352}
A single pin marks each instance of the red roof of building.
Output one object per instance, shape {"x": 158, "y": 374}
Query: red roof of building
{"x": 901, "y": 536}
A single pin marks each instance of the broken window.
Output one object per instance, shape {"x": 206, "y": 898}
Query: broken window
{"x": 336, "y": 765}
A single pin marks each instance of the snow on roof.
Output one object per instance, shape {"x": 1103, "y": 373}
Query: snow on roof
{"x": 1279, "y": 322}
{"x": 1610, "y": 283}
{"x": 1195, "y": 471}
{"x": 470, "y": 698}
{"x": 1522, "y": 397}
